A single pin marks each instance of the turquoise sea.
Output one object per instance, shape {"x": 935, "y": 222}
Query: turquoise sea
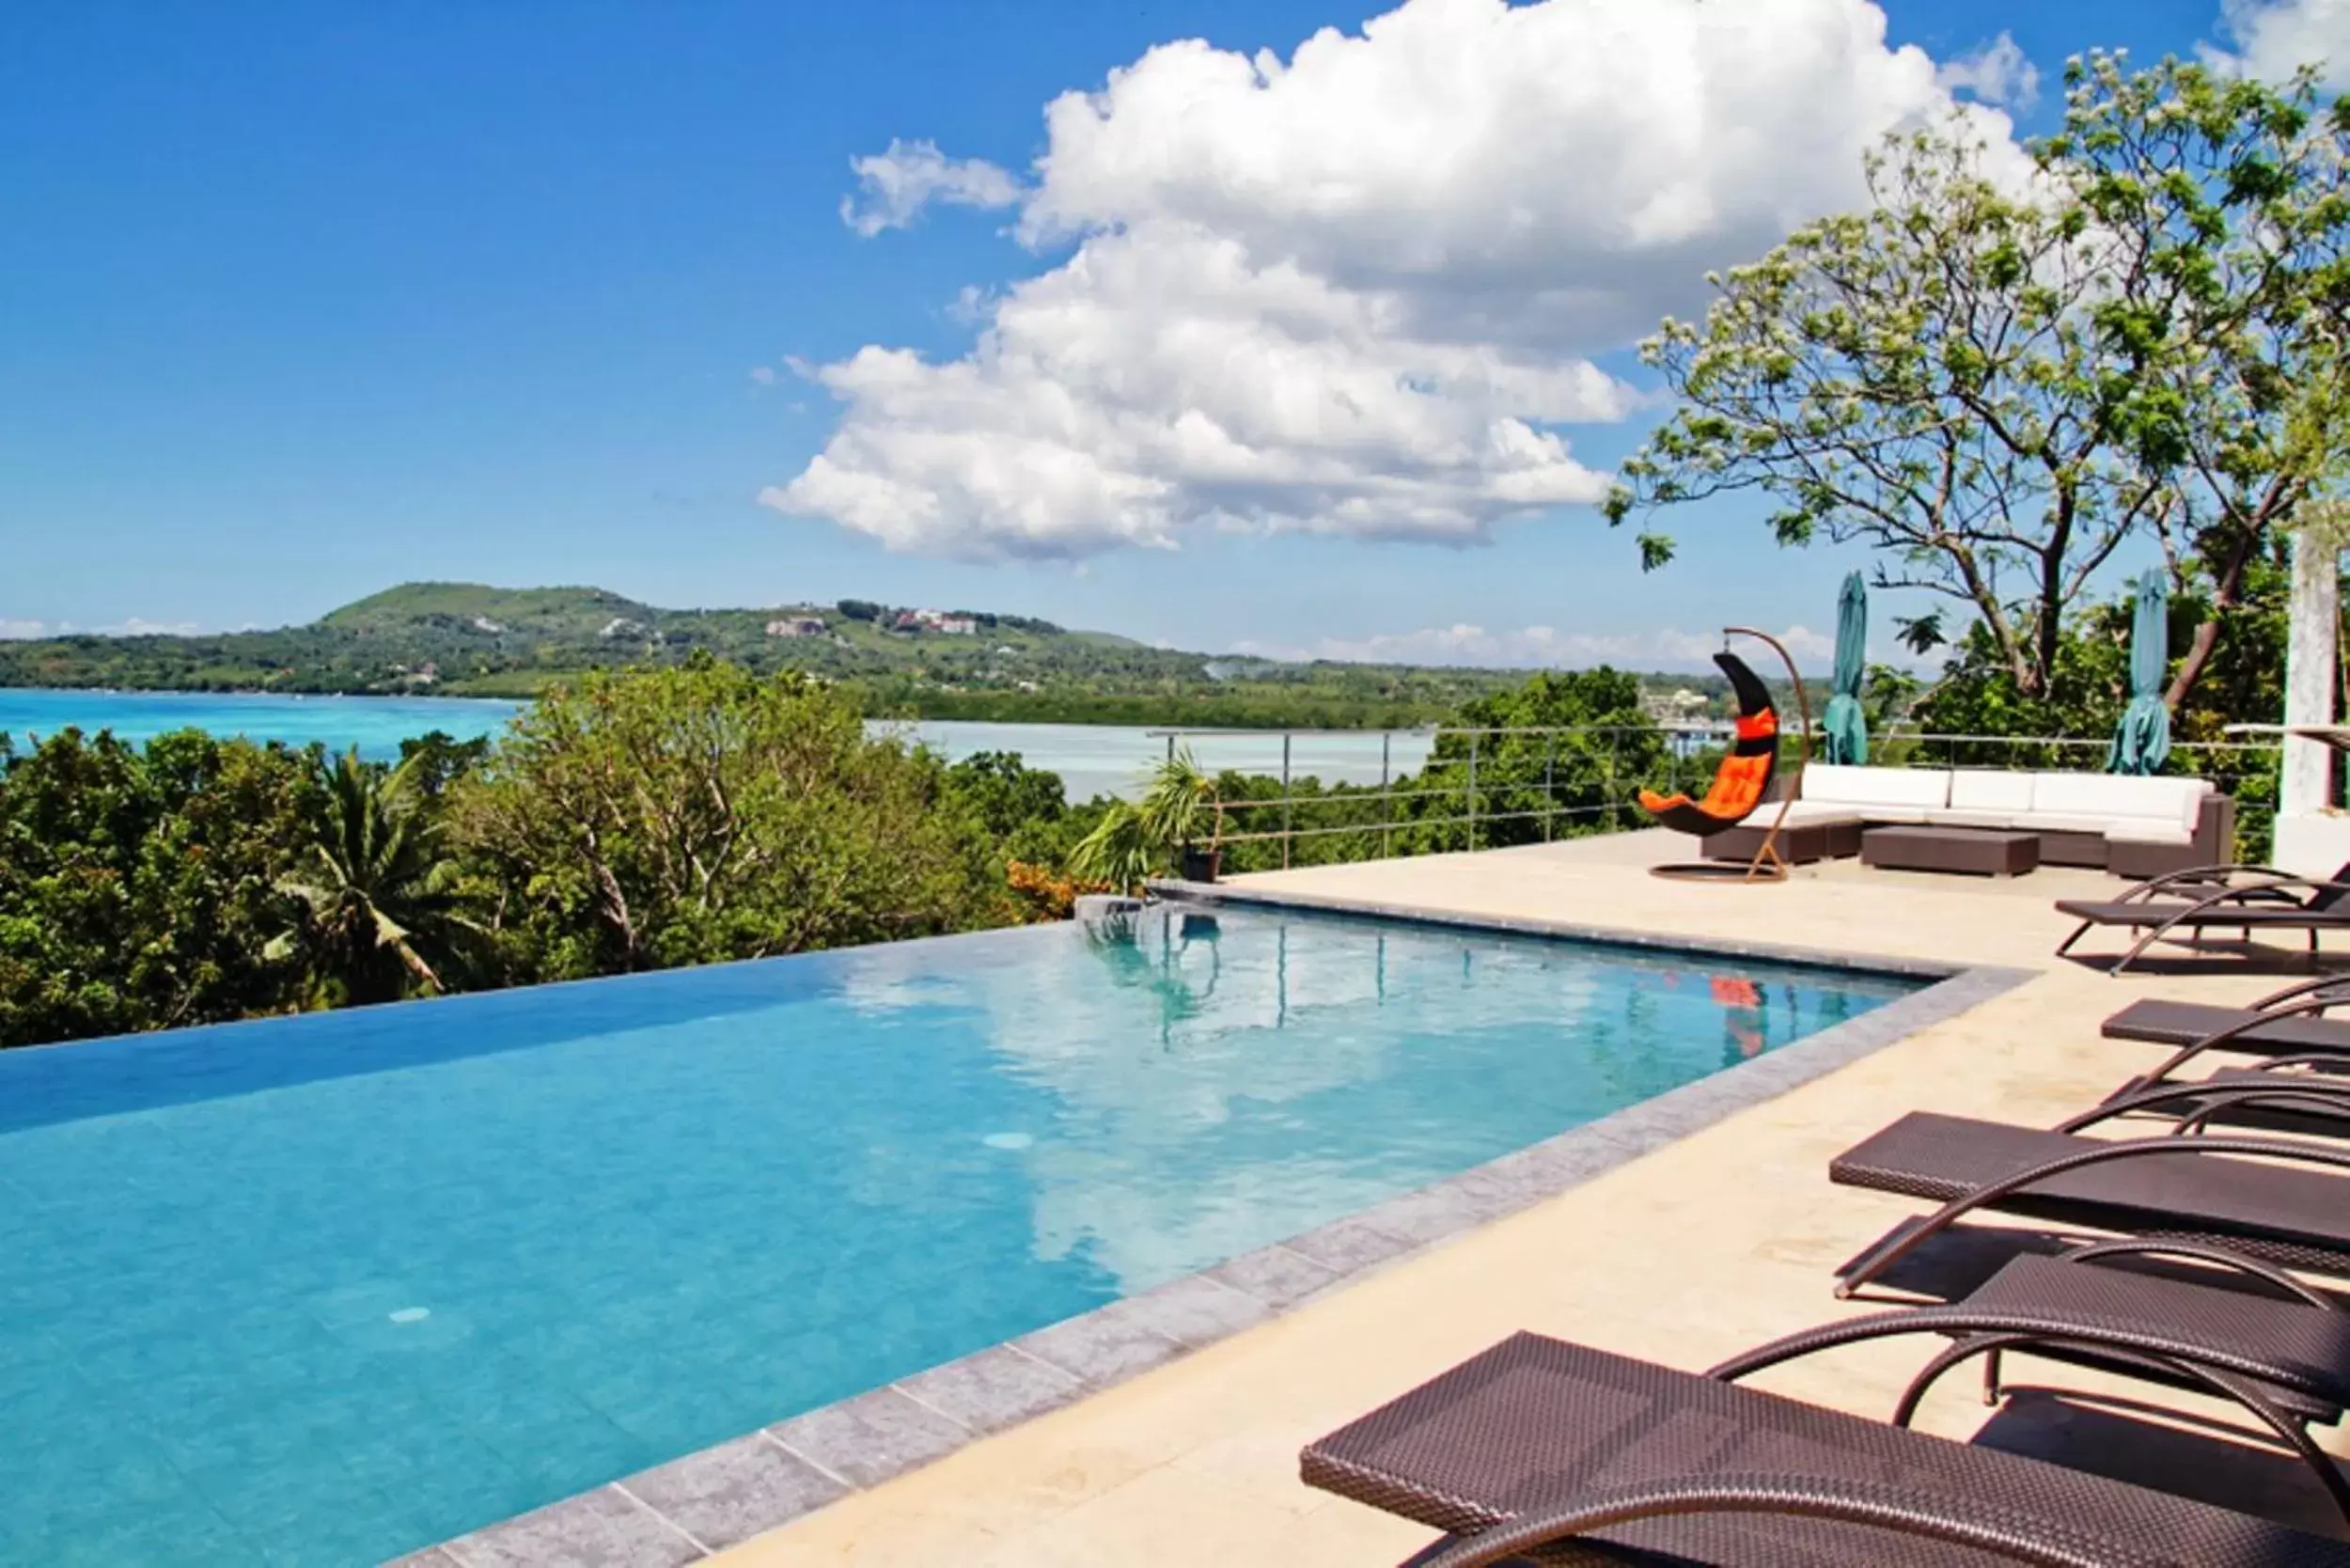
{"x": 1092, "y": 758}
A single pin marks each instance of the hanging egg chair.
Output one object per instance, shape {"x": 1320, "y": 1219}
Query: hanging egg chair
{"x": 1744, "y": 776}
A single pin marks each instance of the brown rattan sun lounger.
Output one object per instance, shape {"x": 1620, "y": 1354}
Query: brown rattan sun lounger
{"x": 2286, "y": 1023}
{"x": 1537, "y": 1443}
{"x": 2197, "y": 1190}
{"x": 2184, "y": 905}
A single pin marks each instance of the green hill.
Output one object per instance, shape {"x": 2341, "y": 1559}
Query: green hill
{"x": 468, "y": 640}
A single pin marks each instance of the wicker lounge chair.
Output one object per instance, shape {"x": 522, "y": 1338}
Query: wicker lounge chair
{"x": 2184, "y": 905}
{"x": 2303, "y": 1088}
{"x": 2196, "y": 1191}
{"x": 1538, "y": 1446}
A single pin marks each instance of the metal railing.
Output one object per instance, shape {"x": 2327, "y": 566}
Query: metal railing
{"x": 1584, "y": 785}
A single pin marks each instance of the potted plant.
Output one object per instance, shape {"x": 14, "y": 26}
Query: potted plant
{"x": 1181, "y": 807}
{"x": 1137, "y": 840}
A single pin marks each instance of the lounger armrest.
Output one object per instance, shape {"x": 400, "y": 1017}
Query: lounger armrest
{"x": 2168, "y": 880}
{"x": 2021, "y": 1326}
{"x": 2333, "y": 1093}
{"x": 1981, "y": 1522}
{"x": 2271, "y": 890}
{"x": 2325, "y": 991}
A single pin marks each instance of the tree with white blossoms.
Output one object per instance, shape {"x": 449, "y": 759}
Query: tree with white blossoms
{"x": 1997, "y": 382}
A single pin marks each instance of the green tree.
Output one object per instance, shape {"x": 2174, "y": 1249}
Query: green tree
{"x": 138, "y": 889}
{"x": 687, "y": 815}
{"x": 1528, "y": 781}
{"x": 2224, "y": 202}
{"x": 1932, "y": 378}
{"x": 376, "y": 891}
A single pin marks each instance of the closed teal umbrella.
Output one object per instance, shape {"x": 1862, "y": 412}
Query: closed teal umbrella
{"x": 1846, "y": 731}
{"x": 2142, "y": 739}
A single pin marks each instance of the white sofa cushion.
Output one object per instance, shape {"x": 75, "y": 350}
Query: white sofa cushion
{"x": 2120, "y": 800}
{"x": 1803, "y": 812}
{"x": 1955, "y": 818}
{"x": 1875, "y": 789}
{"x": 1990, "y": 789}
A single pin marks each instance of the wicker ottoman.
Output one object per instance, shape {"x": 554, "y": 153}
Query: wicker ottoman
{"x": 1799, "y": 843}
{"x": 1976, "y": 851}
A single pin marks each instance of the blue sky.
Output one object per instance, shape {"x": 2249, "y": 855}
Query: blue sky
{"x": 298, "y": 301}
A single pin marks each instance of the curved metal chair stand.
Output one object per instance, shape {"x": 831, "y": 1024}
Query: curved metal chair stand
{"x": 1768, "y": 865}
{"x": 1990, "y": 1331}
{"x": 1891, "y": 1251}
{"x": 1984, "y": 1524}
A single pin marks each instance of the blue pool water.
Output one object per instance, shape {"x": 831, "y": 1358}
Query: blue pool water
{"x": 326, "y": 1289}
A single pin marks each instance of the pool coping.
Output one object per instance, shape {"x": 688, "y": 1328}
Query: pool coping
{"x": 715, "y": 1498}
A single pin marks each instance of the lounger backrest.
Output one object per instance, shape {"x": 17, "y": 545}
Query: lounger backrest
{"x": 2326, "y": 898}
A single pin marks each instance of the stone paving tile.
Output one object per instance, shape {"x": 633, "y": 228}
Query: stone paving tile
{"x": 1197, "y": 1310}
{"x": 1276, "y": 1276}
{"x": 431, "y": 1557}
{"x": 992, "y": 1389}
{"x": 735, "y": 1491}
{"x": 1348, "y": 1246}
{"x": 1430, "y": 1215}
{"x": 595, "y": 1529}
{"x": 1105, "y": 1346}
{"x": 869, "y": 1438}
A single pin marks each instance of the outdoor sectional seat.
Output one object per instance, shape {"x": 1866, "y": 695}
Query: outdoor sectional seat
{"x": 1540, "y": 1448}
{"x": 2137, "y": 826}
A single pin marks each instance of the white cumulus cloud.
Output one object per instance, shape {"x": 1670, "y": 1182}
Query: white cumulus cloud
{"x": 893, "y": 187}
{"x": 21, "y": 630}
{"x": 2273, "y": 39}
{"x": 1997, "y": 73}
{"x": 1358, "y": 290}
{"x": 1537, "y": 647}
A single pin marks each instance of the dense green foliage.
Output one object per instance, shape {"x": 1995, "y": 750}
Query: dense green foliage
{"x": 699, "y": 814}
{"x": 138, "y": 890}
{"x": 630, "y": 822}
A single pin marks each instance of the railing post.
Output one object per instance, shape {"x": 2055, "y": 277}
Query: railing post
{"x": 1285, "y": 800}
{"x": 1614, "y": 821}
{"x": 1170, "y": 746}
{"x": 1550, "y": 787}
{"x": 1476, "y": 739}
{"x": 1386, "y": 807}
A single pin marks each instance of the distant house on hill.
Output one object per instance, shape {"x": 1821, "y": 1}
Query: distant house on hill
{"x": 797, "y": 626}
{"x": 938, "y": 622}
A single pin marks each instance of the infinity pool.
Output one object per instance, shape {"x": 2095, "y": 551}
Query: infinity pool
{"x": 327, "y": 1289}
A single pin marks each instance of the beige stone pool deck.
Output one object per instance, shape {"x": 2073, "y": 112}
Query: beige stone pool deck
{"x": 1705, "y": 1247}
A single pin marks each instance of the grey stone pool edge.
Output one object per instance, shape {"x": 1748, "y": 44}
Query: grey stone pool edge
{"x": 718, "y": 1498}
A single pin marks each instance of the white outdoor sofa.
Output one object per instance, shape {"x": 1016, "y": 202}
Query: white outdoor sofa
{"x": 2135, "y": 827}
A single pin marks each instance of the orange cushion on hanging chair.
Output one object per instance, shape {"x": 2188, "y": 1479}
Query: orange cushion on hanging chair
{"x": 1737, "y": 787}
